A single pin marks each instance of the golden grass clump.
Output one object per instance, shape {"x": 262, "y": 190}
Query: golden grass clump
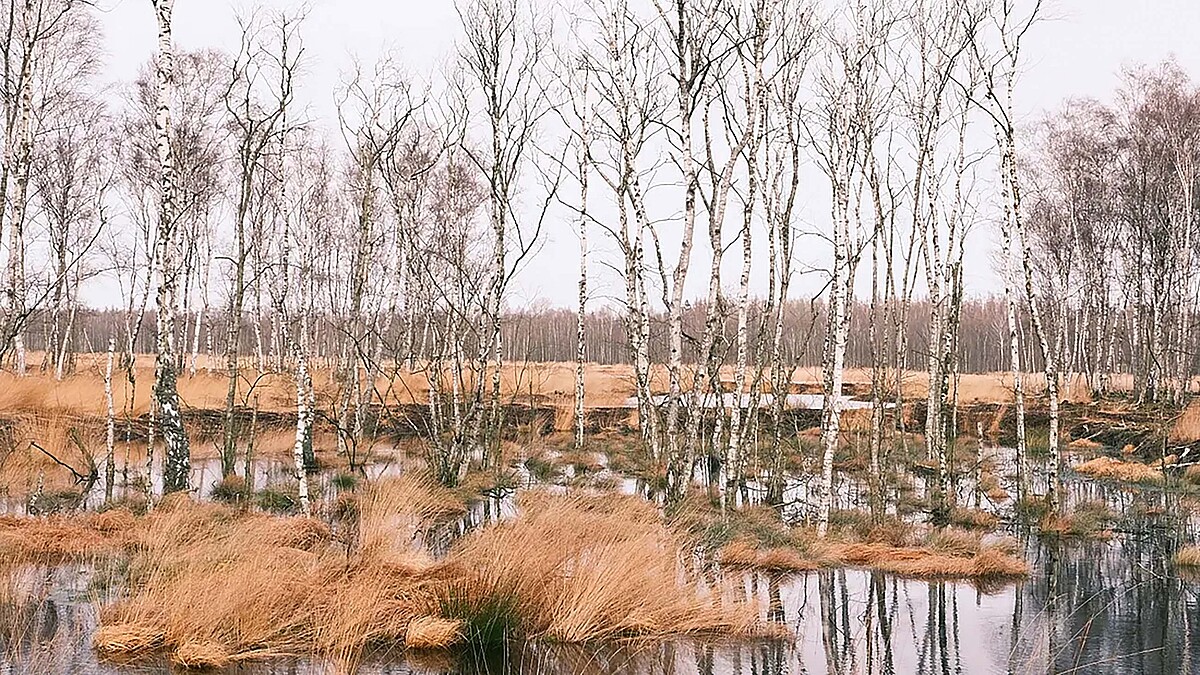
{"x": 1188, "y": 556}
{"x": 431, "y": 632}
{"x": 989, "y": 482}
{"x": 212, "y": 583}
{"x": 1115, "y": 469}
{"x": 200, "y": 655}
{"x": 973, "y": 519}
{"x": 581, "y": 569}
{"x": 1186, "y": 428}
{"x": 954, "y": 542}
{"x": 986, "y": 563}
{"x": 393, "y": 516}
{"x": 127, "y": 639}
{"x": 945, "y": 553}
{"x": 1192, "y": 474}
{"x": 1088, "y": 520}
{"x": 60, "y": 538}
{"x": 742, "y": 553}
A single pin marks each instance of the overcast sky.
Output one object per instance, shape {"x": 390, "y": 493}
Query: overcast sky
{"x": 1079, "y": 51}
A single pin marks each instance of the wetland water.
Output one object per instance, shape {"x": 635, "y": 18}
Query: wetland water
{"x": 1098, "y": 606}
{"x": 1090, "y": 607}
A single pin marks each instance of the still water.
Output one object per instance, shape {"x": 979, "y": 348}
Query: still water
{"x": 1090, "y": 607}
{"x": 1107, "y": 606}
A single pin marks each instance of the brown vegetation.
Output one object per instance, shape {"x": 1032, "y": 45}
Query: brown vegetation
{"x": 947, "y": 555}
{"x": 211, "y": 581}
{"x": 973, "y": 519}
{"x": 1115, "y": 469}
{"x": 57, "y": 538}
{"x": 1088, "y": 520}
{"x": 211, "y": 585}
{"x": 1188, "y": 556}
{"x": 550, "y": 383}
{"x": 1186, "y": 428}
{"x": 756, "y": 540}
{"x": 585, "y": 568}
{"x": 744, "y": 554}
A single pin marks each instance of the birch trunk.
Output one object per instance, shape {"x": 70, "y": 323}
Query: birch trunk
{"x": 1014, "y": 349}
{"x": 582, "y": 163}
{"x": 110, "y": 425}
{"x": 177, "y": 459}
{"x": 304, "y": 416}
{"x": 16, "y": 290}
{"x": 834, "y": 352}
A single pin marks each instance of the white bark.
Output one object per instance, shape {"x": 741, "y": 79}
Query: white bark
{"x": 110, "y": 425}
{"x": 176, "y": 459}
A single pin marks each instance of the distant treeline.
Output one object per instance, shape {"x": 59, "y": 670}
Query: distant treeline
{"x": 550, "y": 335}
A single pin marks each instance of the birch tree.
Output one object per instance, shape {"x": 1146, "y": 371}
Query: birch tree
{"x": 629, "y": 100}
{"x": 257, "y": 99}
{"x": 73, "y": 184}
{"x": 500, "y": 53}
{"x": 49, "y": 49}
{"x": 999, "y": 83}
{"x": 838, "y": 145}
{"x": 177, "y": 458}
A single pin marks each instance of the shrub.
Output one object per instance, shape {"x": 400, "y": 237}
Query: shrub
{"x": 277, "y": 499}
{"x": 232, "y": 490}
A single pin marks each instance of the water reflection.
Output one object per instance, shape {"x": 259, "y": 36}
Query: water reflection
{"x": 1111, "y": 606}
{"x": 1108, "y": 606}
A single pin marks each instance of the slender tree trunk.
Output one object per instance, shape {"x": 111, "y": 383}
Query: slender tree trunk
{"x": 304, "y": 416}
{"x": 1014, "y": 345}
{"x": 837, "y": 323}
{"x": 581, "y": 318}
{"x": 110, "y": 425}
{"x": 177, "y": 458}
{"x": 16, "y": 289}
{"x": 233, "y": 327}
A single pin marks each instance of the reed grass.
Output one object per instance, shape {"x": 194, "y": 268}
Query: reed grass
{"x": 583, "y": 569}
{"x": 981, "y": 563}
{"x": 213, "y": 585}
{"x": 1188, "y": 556}
{"x": 744, "y": 554}
{"x": 1117, "y": 470}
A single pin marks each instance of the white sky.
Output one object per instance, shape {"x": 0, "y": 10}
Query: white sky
{"x": 1079, "y": 51}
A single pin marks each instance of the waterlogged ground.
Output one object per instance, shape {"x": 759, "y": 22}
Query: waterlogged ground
{"x": 1117, "y": 606}
{"x": 1094, "y": 607}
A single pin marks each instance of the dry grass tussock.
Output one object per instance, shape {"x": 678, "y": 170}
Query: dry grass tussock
{"x": 69, "y": 438}
{"x": 213, "y": 586}
{"x": 1192, "y": 474}
{"x": 1188, "y": 556}
{"x": 975, "y": 519}
{"x": 57, "y": 539}
{"x": 1088, "y": 520}
{"x": 948, "y": 553}
{"x": 1186, "y": 428}
{"x": 744, "y": 554}
{"x": 1115, "y": 469}
{"x": 753, "y": 539}
{"x": 580, "y": 569}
